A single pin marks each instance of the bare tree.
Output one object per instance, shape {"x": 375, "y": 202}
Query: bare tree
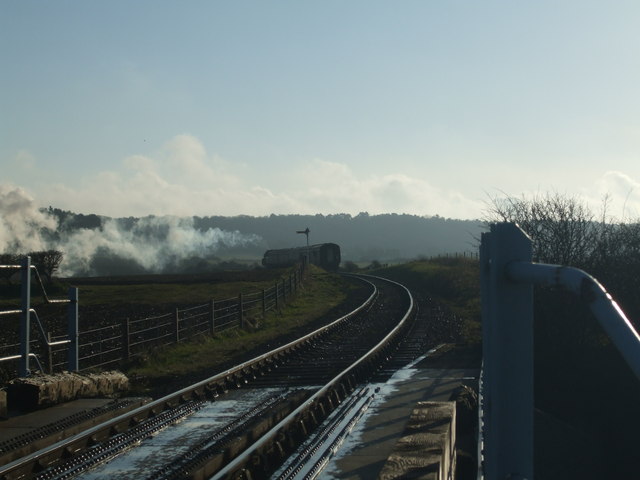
{"x": 563, "y": 229}
{"x": 8, "y": 259}
{"x": 47, "y": 262}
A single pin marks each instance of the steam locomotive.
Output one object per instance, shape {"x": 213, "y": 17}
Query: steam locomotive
{"x": 325, "y": 255}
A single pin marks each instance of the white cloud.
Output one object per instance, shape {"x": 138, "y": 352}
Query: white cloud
{"x": 183, "y": 179}
{"x": 623, "y": 194}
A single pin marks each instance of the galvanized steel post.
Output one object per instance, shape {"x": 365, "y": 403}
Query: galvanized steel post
{"x": 25, "y": 324}
{"x": 73, "y": 357}
{"x": 507, "y": 309}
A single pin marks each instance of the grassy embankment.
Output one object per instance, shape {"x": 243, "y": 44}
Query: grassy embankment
{"x": 451, "y": 282}
{"x": 320, "y": 293}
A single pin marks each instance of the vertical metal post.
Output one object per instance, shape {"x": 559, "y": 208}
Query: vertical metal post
{"x": 212, "y": 316}
{"x": 507, "y": 309}
{"x": 73, "y": 355}
{"x": 264, "y": 302}
{"x": 240, "y": 310}
{"x": 49, "y": 354}
{"x": 25, "y": 324}
{"x": 276, "y": 295}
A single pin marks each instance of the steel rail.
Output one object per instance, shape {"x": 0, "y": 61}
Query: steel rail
{"x": 240, "y": 462}
{"x": 43, "y": 458}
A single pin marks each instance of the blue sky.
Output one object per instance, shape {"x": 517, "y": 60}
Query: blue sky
{"x": 258, "y": 107}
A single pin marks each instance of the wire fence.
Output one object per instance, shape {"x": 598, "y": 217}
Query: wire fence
{"x": 111, "y": 345}
{"x": 117, "y": 340}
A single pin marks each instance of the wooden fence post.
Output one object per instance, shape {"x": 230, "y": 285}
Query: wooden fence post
{"x": 126, "y": 342}
{"x": 212, "y": 317}
{"x": 284, "y": 292}
{"x": 176, "y": 325}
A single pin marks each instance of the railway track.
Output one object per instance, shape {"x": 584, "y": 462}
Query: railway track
{"x": 247, "y": 421}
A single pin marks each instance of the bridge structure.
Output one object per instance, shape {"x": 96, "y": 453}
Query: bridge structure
{"x": 507, "y": 401}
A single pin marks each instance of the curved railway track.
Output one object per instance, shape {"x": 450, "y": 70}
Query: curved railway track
{"x": 246, "y": 421}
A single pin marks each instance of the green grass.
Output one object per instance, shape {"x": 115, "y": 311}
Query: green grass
{"x": 454, "y": 282}
{"x": 147, "y": 290}
{"x": 321, "y": 292}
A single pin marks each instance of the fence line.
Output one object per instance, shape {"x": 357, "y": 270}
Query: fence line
{"x": 110, "y": 345}
{"x": 130, "y": 338}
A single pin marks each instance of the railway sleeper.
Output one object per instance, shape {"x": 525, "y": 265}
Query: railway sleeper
{"x": 210, "y": 465}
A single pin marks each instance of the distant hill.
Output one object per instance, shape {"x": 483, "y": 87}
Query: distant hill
{"x": 97, "y": 245}
{"x": 362, "y": 237}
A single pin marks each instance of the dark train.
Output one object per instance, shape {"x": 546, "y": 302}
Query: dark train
{"x": 325, "y": 255}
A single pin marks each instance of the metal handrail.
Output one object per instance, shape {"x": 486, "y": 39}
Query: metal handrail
{"x": 608, "y": 313}
{"x": 508, "y": 276}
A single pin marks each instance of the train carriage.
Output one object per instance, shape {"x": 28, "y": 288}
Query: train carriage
{"x": 325, "y": 255}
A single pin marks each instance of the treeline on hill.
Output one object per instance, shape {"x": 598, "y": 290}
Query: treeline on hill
{"x": 579, "y": 376}
{"x": 362, "y": 237}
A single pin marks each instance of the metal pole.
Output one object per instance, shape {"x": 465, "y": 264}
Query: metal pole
{"x": 240, "y": 310}
{"x": 25, "y": 324}
{"x": 508, "y": 357}
{"x": 73, "y": 356}
{"x": 49, "y": 353}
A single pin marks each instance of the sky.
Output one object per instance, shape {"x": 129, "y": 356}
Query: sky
{"x": 159, "y": 107}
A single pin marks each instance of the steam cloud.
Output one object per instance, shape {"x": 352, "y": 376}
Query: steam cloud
{"x": 150, "y": 244}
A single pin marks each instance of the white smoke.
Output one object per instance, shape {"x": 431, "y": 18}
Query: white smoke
{"x": 153, "y": 243}
{"x": 150, "y": 244}
{"x": 21, "y": 223}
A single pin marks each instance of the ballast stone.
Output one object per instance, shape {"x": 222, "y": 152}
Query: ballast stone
{"x": 43, "y": 390}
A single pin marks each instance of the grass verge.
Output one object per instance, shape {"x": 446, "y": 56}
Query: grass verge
{"x": 322, "y": 292}
{"x": 453, "y": 282}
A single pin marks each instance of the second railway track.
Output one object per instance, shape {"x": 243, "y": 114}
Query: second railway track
{"x": 244, "y": 422}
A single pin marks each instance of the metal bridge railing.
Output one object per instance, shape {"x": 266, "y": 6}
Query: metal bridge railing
{"x": 507, "y": 279}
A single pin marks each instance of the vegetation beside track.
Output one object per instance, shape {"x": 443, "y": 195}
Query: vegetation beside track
{"x": 323, "y": 297}
{"x": 451, "y": 282}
